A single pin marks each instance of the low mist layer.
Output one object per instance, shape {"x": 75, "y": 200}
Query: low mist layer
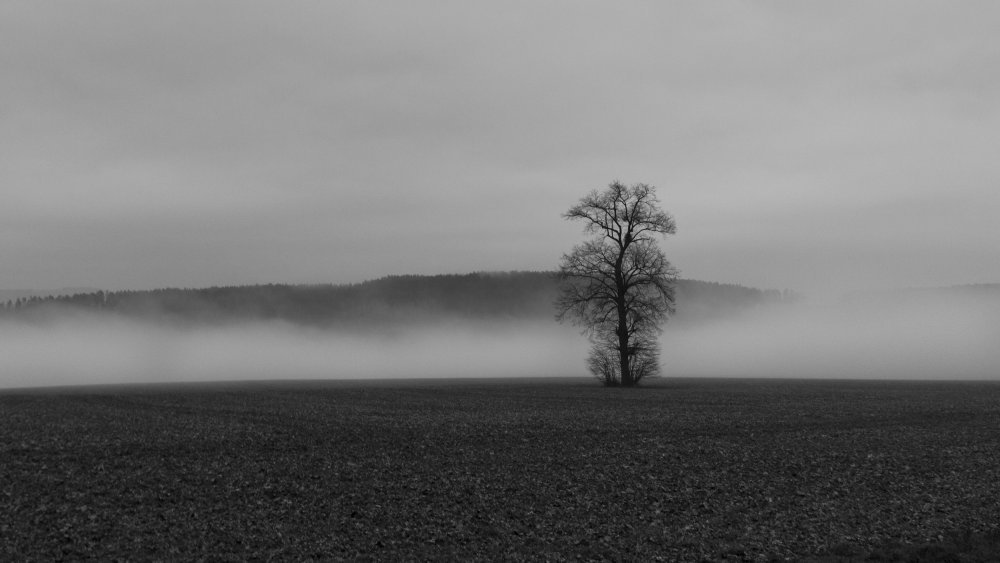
{"x": 919, "y": 337}
{"x": 932, "y": 335}
{"x": 101, "y": 350}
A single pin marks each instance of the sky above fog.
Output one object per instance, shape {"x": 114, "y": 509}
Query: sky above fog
{"x": 804, "y": 145}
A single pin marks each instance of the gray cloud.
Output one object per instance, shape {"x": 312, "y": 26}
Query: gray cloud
{"x": 801, "y": 144}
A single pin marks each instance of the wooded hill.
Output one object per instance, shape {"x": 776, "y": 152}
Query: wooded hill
{"x": 393, "y": 299}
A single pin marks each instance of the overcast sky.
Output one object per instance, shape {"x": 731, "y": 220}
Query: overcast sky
{"x": 805, "y": 145}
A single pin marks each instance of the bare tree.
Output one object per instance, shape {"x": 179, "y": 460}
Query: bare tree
{"x": 619, "y": 285}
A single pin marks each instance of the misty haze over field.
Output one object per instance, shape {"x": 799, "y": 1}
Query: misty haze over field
{"x": 935, "y": 337}
{"x": 101, "y": 350}
{"x": 927, "y": 334}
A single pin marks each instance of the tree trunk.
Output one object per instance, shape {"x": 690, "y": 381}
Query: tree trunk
{"x": 626, "y": 369}
{"x": 625, "y": 377}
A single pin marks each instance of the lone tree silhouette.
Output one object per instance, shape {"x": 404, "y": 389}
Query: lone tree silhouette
{"x": 619, "y": 285}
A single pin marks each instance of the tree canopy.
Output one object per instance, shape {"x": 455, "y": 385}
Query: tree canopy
{"x": 619, "y": 285}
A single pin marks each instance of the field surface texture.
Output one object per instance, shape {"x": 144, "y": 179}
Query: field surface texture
{"x": 483, "y": 470}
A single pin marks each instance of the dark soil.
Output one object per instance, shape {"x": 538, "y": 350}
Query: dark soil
{"x": 744, "y": 470}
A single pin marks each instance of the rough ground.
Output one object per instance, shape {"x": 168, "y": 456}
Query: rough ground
{"x": 464, "y": 470}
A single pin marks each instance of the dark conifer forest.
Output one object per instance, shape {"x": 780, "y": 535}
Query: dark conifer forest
{"x": 393, "y": 299}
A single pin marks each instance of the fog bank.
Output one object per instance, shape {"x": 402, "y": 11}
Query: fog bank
{"x": 87, "y": 350}
{"x": 922, "y": 336}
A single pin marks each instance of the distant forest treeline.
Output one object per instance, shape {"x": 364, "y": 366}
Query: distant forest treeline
{"x": 393, "y": 299}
